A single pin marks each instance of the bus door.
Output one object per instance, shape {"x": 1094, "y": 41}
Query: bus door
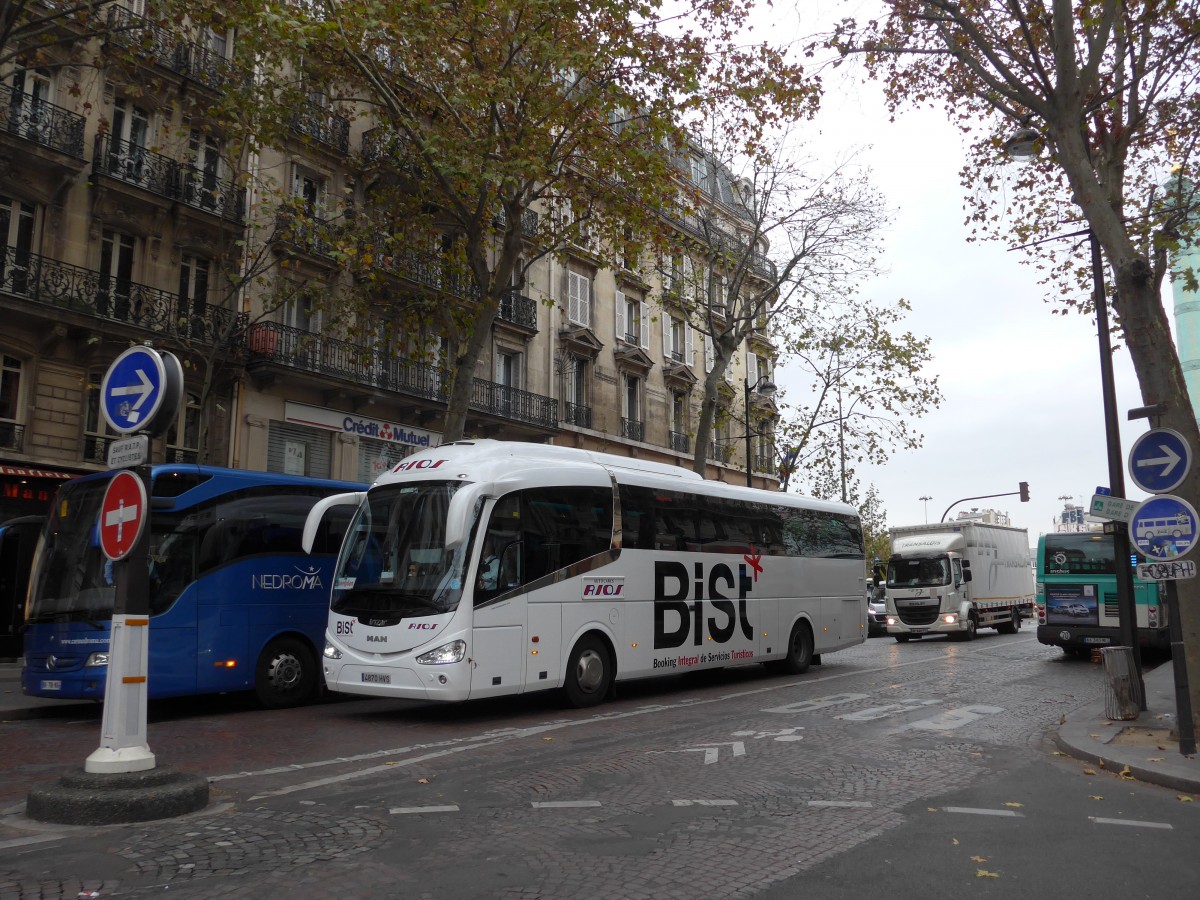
{"x": 18, "y": 537}
{"x": 173, "y": 607}
{"x": 497, "y": 643}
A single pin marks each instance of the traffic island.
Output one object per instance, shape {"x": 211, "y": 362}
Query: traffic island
{"x": 89, "y": 798}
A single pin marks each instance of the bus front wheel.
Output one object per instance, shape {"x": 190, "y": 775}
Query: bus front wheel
{"x": 799, "y": 653}
{"x": 589, "y": 673}
{"x": 286, "y": 674}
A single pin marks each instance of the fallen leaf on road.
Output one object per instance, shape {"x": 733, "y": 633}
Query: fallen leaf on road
{"x": 955, "y": 840}
{"x": 979, "y": 859}
{"x": 422, "y": 781}
{"x": 984, "y": 873}
{"x": 1183, "y": 799}
{"x": 1015, "y": 805}
{"x": 391, "y": 763}
{"x": 1059, "y": 753}
{"x": 1127, "y": 774}
{"x": 1156, "y": 759}
{"x": 1095, "y": 797}
{"x": 547, "y": 739}
{"x": 1089, "y": 771}
{"x": 932, "y": 808}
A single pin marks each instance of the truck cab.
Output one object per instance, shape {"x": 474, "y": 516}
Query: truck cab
{"x": 927, "y": 587}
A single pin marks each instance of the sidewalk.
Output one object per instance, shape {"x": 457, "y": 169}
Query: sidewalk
{"x": 1143, "y": 744}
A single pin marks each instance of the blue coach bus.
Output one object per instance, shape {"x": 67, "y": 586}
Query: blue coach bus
{"x": 235, "y": 603}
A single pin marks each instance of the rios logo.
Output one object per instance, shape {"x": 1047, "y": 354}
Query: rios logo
{"x": 673, "y": 588}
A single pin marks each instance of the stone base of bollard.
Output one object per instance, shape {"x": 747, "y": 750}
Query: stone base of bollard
{"x": 88, "y": 798}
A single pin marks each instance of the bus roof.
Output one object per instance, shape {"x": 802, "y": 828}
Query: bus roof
{"x": 519, "y": 463}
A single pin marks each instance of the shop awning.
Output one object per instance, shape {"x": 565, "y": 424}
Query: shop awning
{"x": 22, "y": 472}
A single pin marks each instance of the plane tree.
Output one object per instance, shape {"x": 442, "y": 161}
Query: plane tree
{"x": 484, "y": 113}
{"x": 1100, "y": 96}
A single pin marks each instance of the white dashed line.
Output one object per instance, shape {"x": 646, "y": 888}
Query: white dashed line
{"x": 981, "y": 812}
{"x": 841, "y": 804}
{"x": 414, "y": 810}
{"x": 1132, "y": 822}
{"x": 565, "y": 804}
{"x": 704, "y": 802}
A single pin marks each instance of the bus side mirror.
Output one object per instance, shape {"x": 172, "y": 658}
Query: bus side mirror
{"x": 459, "y": 514}
{"x": 313, "y": 522}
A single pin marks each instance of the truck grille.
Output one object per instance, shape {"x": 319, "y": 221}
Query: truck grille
{"x": 918, "y": 616}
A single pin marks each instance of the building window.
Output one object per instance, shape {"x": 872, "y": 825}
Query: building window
{"x": 680, "y": 441}
{"x": 29, "y": 112}
{"x": 632, "y": 323}
{"x": 310, "y": 190}
{"x": 575, "y": 384}
{"x": 116, "y": 274}
{"x": 508, "y": 368}
{"x": 631, "y": 408}
{"x": 10, "y": 399}
{"x": 193, "y": 293}
{"x": 677, "y": 341}
{"x": 96, "y": 433}
{"x": 16, "y": 227}
{"x": 130, "y": 132}
{"x": 183, "y": 437}
{"x": 579, "y": 299}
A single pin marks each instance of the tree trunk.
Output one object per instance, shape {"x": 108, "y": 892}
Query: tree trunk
{"x": 462, "y": 380}
{"x": 1160, "y": 377}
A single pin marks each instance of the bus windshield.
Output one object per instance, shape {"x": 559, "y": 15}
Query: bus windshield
{"x": 73, "y": 579}
{"x": 910, "y": 573}
{"x": 394, "y": 563}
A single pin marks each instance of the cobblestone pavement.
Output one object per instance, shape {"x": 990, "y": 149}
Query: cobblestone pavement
{"x": 719, "y": 786}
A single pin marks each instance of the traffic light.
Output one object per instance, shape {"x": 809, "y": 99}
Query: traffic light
{"x": 1024, "y": 491}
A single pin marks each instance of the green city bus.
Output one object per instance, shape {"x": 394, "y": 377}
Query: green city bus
{"x": 1077, "y": 596}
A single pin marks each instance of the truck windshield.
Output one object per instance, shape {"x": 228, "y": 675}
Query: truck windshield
{"x": 395, "y": 563}
{"x": 928, "y": 572}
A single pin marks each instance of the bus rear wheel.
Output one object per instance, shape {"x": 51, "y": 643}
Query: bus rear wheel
{"x": 799, "y": 653}
{"x": 589, "y": 673}
{"x": 286, "y": 674}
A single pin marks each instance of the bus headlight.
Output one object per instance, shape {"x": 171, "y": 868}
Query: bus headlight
{"x": 444, "y": 655}
{"x": 96, "y": 659}
{"x": 331, "y": 652}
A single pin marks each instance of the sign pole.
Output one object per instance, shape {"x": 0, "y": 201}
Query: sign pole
{"x": 123, "y": 746}
{"x": 1183, "y": 700}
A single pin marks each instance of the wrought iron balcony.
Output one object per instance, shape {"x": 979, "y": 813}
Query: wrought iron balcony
{"x": 322, "y": 125}
{"x": 634, "y": 429}
{"x": 63, "y": 286}
{"x": 41, "y": 122}
{"x": 529, "y": 221}
{"x": 167, "y": 49}
{"x": 680, "y": 442}
{"x": 12, "y": 436}
{"x": 95, "y": 448}
{"x": 312, "y": 352}
{"x": 512, "y": 403}
{"x": 721, "y": 450}
{"x": 434, "y": 271}
{"x": 519, "y": 309}
{"x": 181, "y": 455}
{"x": 577, "y": 415}
{"x": 166, "y": 177}
{"x": 306, "y": 233}
{"x": 763, "y": 460}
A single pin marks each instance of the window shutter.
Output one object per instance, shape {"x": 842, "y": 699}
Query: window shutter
{"x": 574, "y": 301}
{"x": 708, "y": 353}
{"x": 643, "y": 325}
{"x": 620, "y": 316}
{"x": 751, "y": 367}
{"x": 689, "y": 351}
{"x": 667, "y": 322}
{"x": 586, "y": 300}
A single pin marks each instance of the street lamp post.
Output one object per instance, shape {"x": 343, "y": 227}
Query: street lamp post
{"x": 926, "y": 498}
{"x": 1027, "y": 142}
{"x": 764, "y": 387}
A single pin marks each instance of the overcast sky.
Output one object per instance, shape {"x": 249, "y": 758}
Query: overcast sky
{"x": 1021, "y": 386}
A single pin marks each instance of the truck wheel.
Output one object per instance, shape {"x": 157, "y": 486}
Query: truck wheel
{"x": 1012, "y": 626}
{"x": 972, "y": 627}
{"x": 286, "y": 674}
{"x": 799, "y": 654}
{"x": 589, "y": 673}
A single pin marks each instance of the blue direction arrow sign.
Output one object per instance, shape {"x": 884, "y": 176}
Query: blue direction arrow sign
{"x": 133, "y": 389}
{"x": 1163, "y": 528}
{"x": 1159, "y": 461}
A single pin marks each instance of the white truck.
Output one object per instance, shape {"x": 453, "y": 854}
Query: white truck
{"x": 957, "y": 577}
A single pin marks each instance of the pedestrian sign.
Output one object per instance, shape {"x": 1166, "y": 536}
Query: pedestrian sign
{"x": 1159, "y": 461}
{"x": 1164, "y": 528}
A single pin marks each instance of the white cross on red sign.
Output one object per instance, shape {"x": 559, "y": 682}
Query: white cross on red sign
{"x": 122, "y": 515}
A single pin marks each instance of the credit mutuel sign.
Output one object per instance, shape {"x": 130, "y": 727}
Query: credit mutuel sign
{"x": 348, "y": 423}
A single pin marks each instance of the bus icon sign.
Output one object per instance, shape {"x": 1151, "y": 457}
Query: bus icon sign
{"x": 1164, "y": 528}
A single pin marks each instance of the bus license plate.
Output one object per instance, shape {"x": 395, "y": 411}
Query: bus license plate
{"x": 1095, "y": 640}
{"x": 376, "y": 678}
{"x": 51, "y": 685}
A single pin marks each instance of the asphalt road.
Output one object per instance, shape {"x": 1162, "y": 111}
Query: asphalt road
{"x": 923, "y": 770}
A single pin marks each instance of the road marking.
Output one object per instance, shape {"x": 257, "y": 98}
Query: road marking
{"x": 1132, "y": 822}
{"x": 956, "y": 718}
{"x": 565, "y": 804}
{"x": 882, "y": 712}
{"x": 841, "y": 804}
{"x": 712, "y": 754}
{"x": 36, "y": 839}
{"x": 819, "y": 703}
{"x": 981, "y": 812}
{"x": 704, "y": 802}
{"x": 414, "y": 810}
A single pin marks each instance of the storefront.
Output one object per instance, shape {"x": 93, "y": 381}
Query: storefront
{"x": 303, "y": 443}
{"x": 27, "y": 491}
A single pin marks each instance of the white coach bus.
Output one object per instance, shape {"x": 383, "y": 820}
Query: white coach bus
{"x": 482, "y": 568}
